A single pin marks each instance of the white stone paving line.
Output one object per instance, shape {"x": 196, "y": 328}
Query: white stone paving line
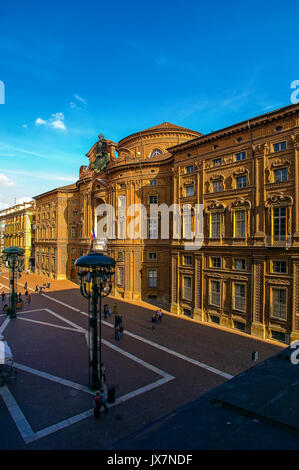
{"x": 174, "y": 353}
{"x": 53, "y": 378}
{"x": 4, "y": 325}
{"x": 77, "y": 327}
{"x": 22, "y": 424}
{"x": 51, "y": 324}
{"x": 158, "y": 346}
{"x": 17, "y": 415}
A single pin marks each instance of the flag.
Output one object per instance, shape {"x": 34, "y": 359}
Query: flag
{"x": 92, "y": 234}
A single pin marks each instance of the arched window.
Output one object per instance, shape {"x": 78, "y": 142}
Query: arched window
{"x": 156, "y": 153}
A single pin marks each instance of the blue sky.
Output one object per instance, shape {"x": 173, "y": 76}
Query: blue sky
{"x": 73, "y": 70}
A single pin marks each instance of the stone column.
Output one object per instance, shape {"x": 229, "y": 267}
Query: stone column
{"x": 198, "y": 287}
{"x": 295, "y": 307}
{"x": 258, "y": 326}
{"x": 295, "y": 140}
{"x": 259, "y": 202}
{"x": 174, "y": 308}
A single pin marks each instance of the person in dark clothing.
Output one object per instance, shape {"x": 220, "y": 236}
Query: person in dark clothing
{"x": 99, "y": 401}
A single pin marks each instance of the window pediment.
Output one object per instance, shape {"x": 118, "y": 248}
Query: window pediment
{"x": 215, "y": 206}
{"x": 240, "y": 203}
{"x": 279, "y": 163}
{"x": 241, "y": 171}
{"x": 279, "y": 199}
{"x": 217, "y": 177}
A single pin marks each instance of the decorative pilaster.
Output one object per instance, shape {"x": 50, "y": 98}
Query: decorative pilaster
{"x": 258, "y": 327}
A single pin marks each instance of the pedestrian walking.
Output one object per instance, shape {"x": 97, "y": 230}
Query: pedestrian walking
{"x": 117, "y": 332}
{"x": 3, "y": 296}
{"x": 160, "y": 315}
{"x": 106, "y": 311}
{"x": 25, "y": 285}
{"x": 40, "y": 289}
{"x": 154, "y": 320}
{"x": 37, "y": 288}
{"x": 28, "y": 298}
{"x": 99, "y": 401}
{"x": 115, "y": 309}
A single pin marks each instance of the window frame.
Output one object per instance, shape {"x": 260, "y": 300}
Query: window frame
{"x": 274, "y": 315}
{"x": 155, "y": 277}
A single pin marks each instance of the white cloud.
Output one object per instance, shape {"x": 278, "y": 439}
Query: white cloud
{"x": 55, "y": 121}
{"x": 79, "y": 102}
{"x": 5, "y": 181}
{"x": 40, "y": 122}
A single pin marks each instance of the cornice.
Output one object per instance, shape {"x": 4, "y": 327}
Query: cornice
{"x": 239, "y": 127}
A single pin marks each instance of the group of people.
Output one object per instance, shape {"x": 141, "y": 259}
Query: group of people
{"x": 118, "y": 321}
{"x": 156, "y": 318}
{"x": 18, "y": 298}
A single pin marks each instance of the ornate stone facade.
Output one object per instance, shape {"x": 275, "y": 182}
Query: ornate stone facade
{"x": 17, "y": 228}
{"x": 245, "y": 276}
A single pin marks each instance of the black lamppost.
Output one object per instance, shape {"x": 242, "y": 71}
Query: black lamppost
{"x": 95, "y": 283}
{"x": 13, "y": 259}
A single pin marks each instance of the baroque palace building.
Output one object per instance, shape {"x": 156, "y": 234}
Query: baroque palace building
{"x": 17, "y": 228}
{"x": 246, "y": 274}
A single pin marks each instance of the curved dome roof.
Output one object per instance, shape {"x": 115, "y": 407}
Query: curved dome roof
{"x": 164, "y": 126}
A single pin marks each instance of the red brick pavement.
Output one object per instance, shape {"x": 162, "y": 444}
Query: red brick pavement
{"x": 63, "y": 353}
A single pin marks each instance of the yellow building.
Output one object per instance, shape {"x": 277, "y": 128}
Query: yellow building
{"x": 246, "y": 274}
{"x": 17, "y": 225}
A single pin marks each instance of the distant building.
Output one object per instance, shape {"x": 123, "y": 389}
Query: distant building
{"x": 17, "y": 228}
{"x": 246, "y": 275}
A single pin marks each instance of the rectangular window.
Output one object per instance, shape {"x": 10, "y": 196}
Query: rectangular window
{"x": 217, "y": 161}
{"x": 280, "y": 267}
{"x": 279, "y": 223}
{"x": 217, "y": 186}
{"x": 120, "y": 276}
{"x": 153, "y": 227}
{"x": 278, "y": 304}
{"x": 75, "y": 213}
{"x": 122, "y": 186}
{"x": 187, "y": 260}
{"x": 73, "y": 232}
{"x": 281, "y": 175}
{"x": 215, "y": 262}
{"x": 215, "y": 293}
{"x": 187, "y": 312}
{"x": 153, "y": 199}
{"x": 73, "y": 262}
{"x": 215, "y": 225}
{"x": 190, "y": 190}
{"x": 240, "y": 264}
{"x": 152, "y": 278}
{"x": 152, "y": 256}
{"x": 239, "y": 297}
{"x": 153, "y": 182}
{"x": 189, "y": 169}
{"x": 241, "y": 182}
{"x": 240, "y": 224}
{"x": 279, "y": 146}
{"x": 187, "y": 289}
{"x": 73, "y": 251}
{"x": 240, "y": 156}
